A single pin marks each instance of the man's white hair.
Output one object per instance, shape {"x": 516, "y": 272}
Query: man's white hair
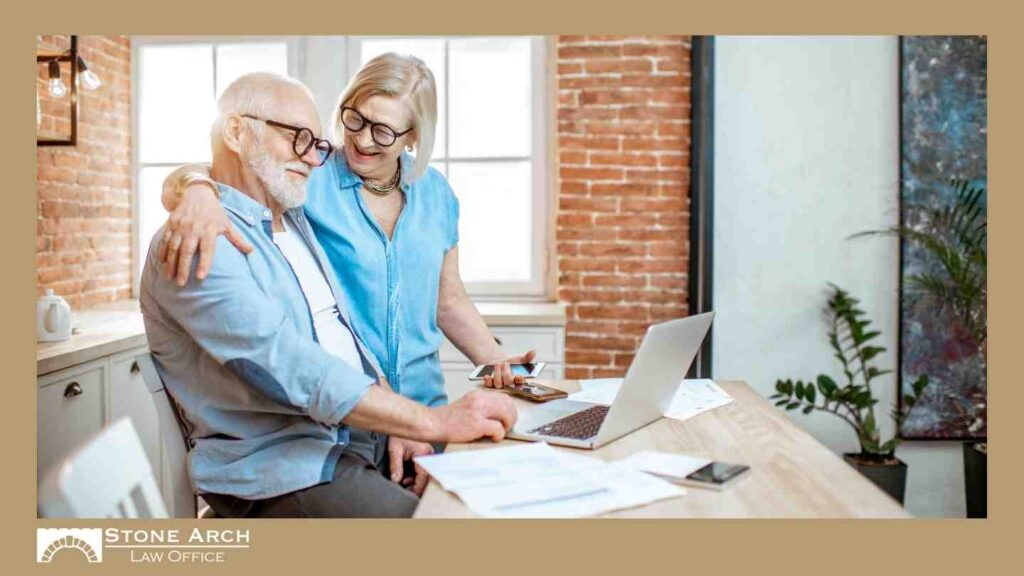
{"x": 256, "y": 94}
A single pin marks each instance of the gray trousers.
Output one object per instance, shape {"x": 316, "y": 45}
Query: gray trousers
{"x": 361, "y": 488}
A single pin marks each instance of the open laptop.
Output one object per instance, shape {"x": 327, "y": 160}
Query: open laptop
{"x": 657, "y": 370}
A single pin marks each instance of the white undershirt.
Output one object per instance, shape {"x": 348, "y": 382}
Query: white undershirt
{"x": 335, "y": 338}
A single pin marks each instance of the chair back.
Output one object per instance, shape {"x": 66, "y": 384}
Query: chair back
{"x": 109, "y": 477}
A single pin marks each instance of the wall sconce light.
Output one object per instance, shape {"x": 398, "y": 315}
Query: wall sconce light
{"x": 57, "y": 87}
{"x": 89, "y": 78}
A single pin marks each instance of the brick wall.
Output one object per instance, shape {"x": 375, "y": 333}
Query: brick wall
{"x": 623, "y": 208}
{"x": 83, "y": 233}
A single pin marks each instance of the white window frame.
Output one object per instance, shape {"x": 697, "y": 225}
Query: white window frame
{"x": 295, "y": 64}
{"x": 540, "y": 285}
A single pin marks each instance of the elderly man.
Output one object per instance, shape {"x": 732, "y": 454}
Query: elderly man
{"x": 286, "y": 411}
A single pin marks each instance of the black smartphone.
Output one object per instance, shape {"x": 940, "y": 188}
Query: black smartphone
{"x": 715, "y": 475}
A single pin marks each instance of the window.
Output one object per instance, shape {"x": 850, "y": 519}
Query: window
{"x": 177, "y": 83}
{"x": 491, "y": 145}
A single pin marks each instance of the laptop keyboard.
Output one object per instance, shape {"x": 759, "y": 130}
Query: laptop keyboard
{"x": 579, "y": 426}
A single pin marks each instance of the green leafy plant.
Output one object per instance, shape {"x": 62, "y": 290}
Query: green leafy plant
{"x": 850, "y": 336}
{"x": 956, "y": 236}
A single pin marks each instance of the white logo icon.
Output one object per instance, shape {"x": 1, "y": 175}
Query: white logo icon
{"x": 87, "y": 541}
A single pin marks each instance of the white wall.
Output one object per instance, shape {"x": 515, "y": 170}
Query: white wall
{"x": 806, "y": 153}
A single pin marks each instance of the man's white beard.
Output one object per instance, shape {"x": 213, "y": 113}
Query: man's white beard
{"x": 282, "y": 188}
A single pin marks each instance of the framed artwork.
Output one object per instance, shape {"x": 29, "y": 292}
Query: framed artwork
{"x": 943, "y": 135}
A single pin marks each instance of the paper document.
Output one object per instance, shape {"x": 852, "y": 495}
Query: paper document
{"x": 513, "y": 464}
{"x": 673, "y": 466}
{"x": 693, "y": 396}
{"x": 538, "y": 481}
{"x": 592, "y": 490}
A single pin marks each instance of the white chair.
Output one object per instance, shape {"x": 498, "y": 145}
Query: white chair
{"x": 177, "y": 487}
{"x": 108, "y": 477}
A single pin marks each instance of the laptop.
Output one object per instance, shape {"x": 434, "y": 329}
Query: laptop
{"x": 657, "y": 370}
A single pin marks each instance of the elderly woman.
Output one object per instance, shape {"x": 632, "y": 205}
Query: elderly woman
{"x": 387, "y": 222}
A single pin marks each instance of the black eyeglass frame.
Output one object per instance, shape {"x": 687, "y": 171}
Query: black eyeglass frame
{"x": 367, "y": 122}
{"x": 297, "y": 131}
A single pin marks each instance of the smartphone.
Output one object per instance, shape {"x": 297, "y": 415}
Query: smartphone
{"x": 531, "y": 370}
{"x": 715, "y": 475}
{"x": 534, "y": 392}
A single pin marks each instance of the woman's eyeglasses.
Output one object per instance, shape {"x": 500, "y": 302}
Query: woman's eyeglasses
{"x": 382, "y": 134}
{"x": 304, "y": 139}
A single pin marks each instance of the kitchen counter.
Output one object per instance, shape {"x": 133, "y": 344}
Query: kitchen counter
{"x": 96, "y": 332}
{"x": 112, "y": 328}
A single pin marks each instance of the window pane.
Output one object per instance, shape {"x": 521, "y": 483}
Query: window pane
{"x": 431, "y": 51}
{"x": 440, "y": 167}
{"x": 176, "y": 103}
{"x": 151, "y": 212}
{"x": 490, "y": 97}
{"x": 495, "y": 221}
{"x": 234, "y": 60}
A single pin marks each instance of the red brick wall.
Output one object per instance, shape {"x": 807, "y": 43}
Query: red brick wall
{"x": 83, "y": 232}
{"x": 623, "y": 207}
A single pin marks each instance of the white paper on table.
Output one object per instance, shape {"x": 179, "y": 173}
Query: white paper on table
{"x": 673, "y": 466}
{"x": 602, "y": 391}
{"x": 693, "y": 396}
{"x": 513, "y": 464}
{"x": 591, "y": 490}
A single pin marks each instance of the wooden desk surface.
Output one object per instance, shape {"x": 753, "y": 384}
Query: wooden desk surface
{"x": 792, "y": 475}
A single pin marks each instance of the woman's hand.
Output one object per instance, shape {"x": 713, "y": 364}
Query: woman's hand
{"x": 502, "y": 375}
{"x": 400, "y": 450}
{"x": 195, "y": 223}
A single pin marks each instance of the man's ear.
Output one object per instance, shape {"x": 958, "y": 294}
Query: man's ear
{"x": 233, "y": 134}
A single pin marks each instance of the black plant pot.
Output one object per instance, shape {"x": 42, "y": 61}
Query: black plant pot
{"x": 891, "y": 478}
{"x": 976, "y": 480}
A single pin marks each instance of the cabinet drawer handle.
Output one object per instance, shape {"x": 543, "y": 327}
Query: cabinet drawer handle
{"x": 135, "y": 367}
{"x": 72, "y": 390}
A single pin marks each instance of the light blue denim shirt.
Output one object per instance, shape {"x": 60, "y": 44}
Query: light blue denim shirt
{"x": 262, "y": 400}
{"x": 392, "y": 284}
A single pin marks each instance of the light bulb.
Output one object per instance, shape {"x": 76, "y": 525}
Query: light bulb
{"x": 91, "y": 80}
{"x": 57, "y": 87}
{"x": 88, "y": 78}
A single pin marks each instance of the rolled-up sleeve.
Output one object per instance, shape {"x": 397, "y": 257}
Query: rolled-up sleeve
{"x": 229, "y": 316}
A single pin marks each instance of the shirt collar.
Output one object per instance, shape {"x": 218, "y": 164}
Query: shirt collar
{"x": 250, "y": 211}
{"x": 349, "y": 178}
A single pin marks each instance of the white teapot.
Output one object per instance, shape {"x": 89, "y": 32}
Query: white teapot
{"x": 53, "y": 318}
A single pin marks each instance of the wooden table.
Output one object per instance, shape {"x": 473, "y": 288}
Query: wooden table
{"x": 792, "y": 475}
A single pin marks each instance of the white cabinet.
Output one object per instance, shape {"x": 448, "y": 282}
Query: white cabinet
{"x": 71, "y": 408}
{"x": 77, "y": 402}
{"x": 548, "y": 341}
{"x": 130, "y": 398}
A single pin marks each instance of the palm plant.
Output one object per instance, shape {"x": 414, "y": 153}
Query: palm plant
{"x": 854, "y": 402}
{"x": 956, "y": 236}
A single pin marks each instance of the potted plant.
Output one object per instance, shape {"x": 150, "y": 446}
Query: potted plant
{"x": 853, "y": 402}
{"x": 955, "y": 236}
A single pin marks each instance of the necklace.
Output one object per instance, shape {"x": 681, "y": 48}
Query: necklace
{"x": 387, "y": 187}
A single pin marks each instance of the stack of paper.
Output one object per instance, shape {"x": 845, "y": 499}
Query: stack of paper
{"x": 537, "y": 481}
{"x": 693, "y": 396}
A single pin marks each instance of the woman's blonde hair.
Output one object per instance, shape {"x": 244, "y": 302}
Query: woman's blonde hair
{"x": 397, "y": 76}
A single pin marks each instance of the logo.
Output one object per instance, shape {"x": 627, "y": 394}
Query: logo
{"x": 86, "y": 541}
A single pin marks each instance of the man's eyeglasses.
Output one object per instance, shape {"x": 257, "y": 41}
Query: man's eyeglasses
{"x": 382, "y": 134}
{"x": 304, "y": 139}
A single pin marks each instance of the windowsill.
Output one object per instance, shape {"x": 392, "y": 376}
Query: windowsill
{"x": 522, "y": 313}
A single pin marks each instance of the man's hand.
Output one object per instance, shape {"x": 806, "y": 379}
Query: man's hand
{"x": 503, "y": 371}
{"x": 400, "y": 450}
{"x": 196, "y": 222}
{"x": 476, "y": 415}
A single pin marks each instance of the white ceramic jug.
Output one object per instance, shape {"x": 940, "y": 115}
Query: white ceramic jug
{"x": 53, "y": 318}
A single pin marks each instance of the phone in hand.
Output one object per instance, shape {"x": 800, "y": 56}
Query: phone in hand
{"x": 528, "y": 370}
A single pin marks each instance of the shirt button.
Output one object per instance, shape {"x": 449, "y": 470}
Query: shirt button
{"x": 266, "y": 213}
